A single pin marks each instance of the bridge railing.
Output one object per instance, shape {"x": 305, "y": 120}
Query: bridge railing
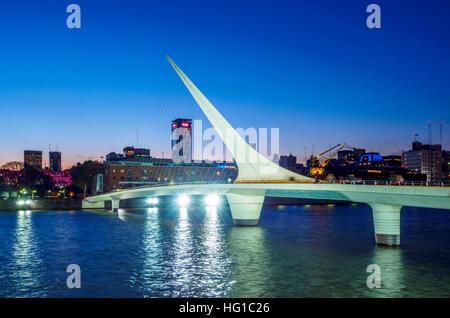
{"x": 389, "y": 183}
{"x": 162, "y": 184}
{"x": 332, "y": 181}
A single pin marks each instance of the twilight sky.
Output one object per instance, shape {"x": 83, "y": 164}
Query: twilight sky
{"x": 311, "y": 68}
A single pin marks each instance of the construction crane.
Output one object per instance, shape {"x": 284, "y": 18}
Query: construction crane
{"x": 316, "y": 169}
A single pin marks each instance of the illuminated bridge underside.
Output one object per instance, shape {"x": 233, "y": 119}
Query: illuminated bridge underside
{"x": 261, "y": 177}
{"x": 427, "y": 197}
{"x": 246, "y": 200}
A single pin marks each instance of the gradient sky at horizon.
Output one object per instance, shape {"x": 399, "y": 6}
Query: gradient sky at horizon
{"x": 312, "y": 69}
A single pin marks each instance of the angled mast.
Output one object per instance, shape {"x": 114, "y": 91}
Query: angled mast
{"x": 252, "y": 166}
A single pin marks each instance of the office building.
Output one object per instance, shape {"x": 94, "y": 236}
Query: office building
{"x": 182, "y": 140}
{"x": 425, "y": 159}
{"x": 54, "y": 161}
{"x": 445, "y": 165}
{"x": 32, "y": 159}
{"x": 126, "y": 173}
{"x": 289, "y": 162}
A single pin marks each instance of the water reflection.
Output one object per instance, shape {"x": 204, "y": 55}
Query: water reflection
{"x": 150, "y": 250}
{"x": 121, "y": 213}
{"x": 199, "y": 263}
{"x": 216, "y": 259}
{"x": 182, "y": 270}
{"x": 251, "y": 269}
{"x": 391, "y": 264}
{"x": 26, "y": 261}
{"x": 197, "y": 252}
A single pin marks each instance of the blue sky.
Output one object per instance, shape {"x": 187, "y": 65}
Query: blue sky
{"x": 311, "y": 68}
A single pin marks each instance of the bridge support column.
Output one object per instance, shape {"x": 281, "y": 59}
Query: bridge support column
{"x": 386, "y": 219}
{"x": 115, "y": 205}
{"x": 245, "y": 209}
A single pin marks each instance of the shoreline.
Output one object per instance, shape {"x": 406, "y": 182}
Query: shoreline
{"x": 76, "y": 204}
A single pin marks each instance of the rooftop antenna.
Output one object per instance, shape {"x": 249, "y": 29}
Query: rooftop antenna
{"x": 440, "y": 132}
{"x": 415, "y": 136}
{"x": 137, "y": 138}
{"x": 429, "y": 132}
{"x": 306, "y": 155}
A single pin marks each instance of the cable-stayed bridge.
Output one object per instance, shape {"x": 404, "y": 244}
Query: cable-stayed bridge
{"x": 259, "y": 177}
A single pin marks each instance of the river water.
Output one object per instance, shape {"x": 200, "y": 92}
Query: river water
{"x": 297, "y": 251}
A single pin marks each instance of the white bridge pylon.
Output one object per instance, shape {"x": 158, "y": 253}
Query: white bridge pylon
{"x": 252, "y": 166}
{"x": 259, "y": 176}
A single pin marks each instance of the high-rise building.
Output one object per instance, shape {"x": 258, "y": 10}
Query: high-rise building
{"x": 32, "y": 158}
{"x": 345, "y": 155}
{"x": 55, "y": 160}
{"x": 426, "y": 159}
{"x": 357, "y": 153}
{"x": 289, "y": 162}
{"x": 181, "y": 140}
{"x": 445, "y": 165}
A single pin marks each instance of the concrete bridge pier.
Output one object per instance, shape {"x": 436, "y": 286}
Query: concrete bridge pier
{"x": 115, "y": 205}
{"x": 386, "y": 220}
{"x": 245, "y": 208}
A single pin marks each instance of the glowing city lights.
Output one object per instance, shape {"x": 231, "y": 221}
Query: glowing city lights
{"x": 152, "y": 201}
{"x": 212, "y": 200}
{"x": 24, "y": 202}
{"x": 183, "y": 200}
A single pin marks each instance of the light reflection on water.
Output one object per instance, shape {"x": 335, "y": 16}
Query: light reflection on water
{"x": 26, "y": 261}
{"x": 391, "y": 263}
{"x": 196, "y": 252}
{"x": 183, "y": 252}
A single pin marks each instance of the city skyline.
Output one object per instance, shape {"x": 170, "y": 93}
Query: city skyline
{"x": 234, "y": 152}
{"x": 83, "y": 90}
